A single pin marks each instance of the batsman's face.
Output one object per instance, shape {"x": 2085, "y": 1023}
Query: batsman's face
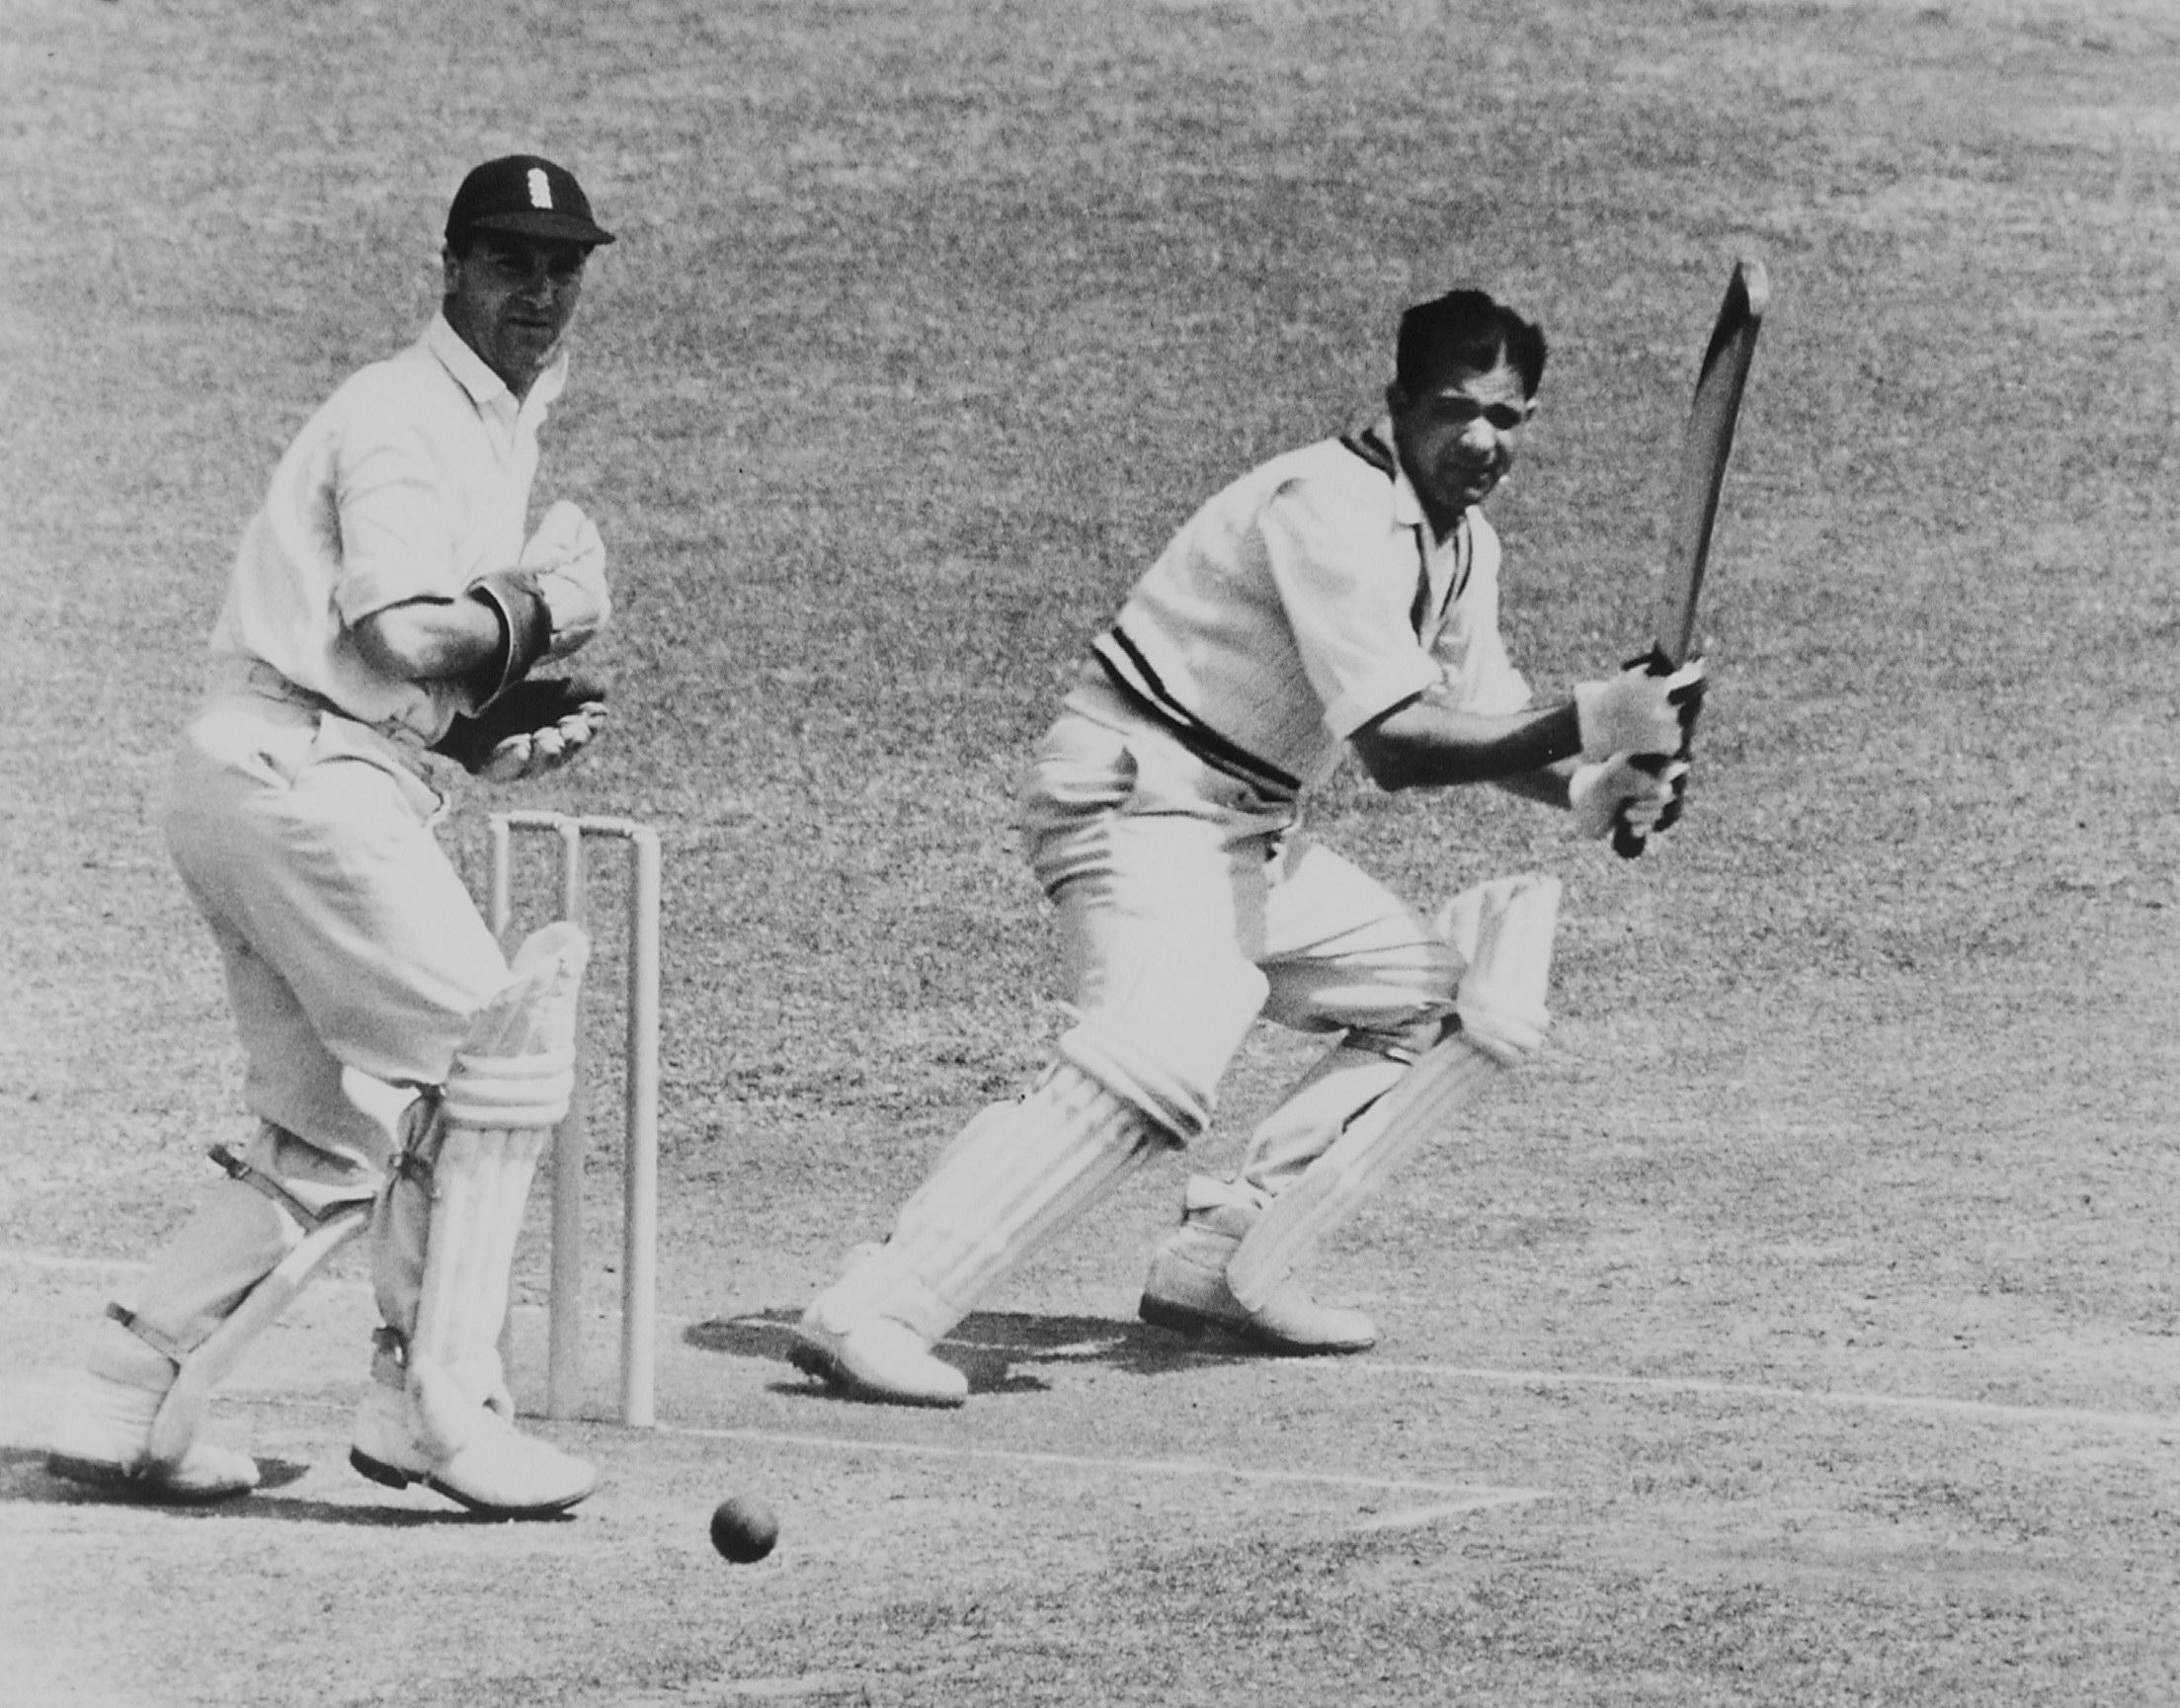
{"x": 511, "y": 298}
{"x": 1456, "y": 438}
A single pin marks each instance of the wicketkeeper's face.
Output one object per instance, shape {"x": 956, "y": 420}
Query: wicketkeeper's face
{"x": 511, "y": 298}
{"x": 1456, "y": 436}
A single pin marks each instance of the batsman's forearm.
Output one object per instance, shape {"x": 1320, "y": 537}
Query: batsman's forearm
{"x": 1423, "y": 745}
{"x": 1547, "y": 785}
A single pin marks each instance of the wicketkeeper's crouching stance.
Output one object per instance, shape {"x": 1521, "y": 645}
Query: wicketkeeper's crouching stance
{"x": 1342, "y": 595}
{"x": 384, "y": 607}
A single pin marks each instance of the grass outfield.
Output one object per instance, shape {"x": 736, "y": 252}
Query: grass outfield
{"x": 1799, "y": 1329}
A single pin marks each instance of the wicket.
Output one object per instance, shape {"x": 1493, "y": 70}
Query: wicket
{"x": 640, "y": 1135}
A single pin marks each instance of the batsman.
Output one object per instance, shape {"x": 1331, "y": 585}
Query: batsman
{"x": 1341, "y": 597}
{"x": 385, "y": 609}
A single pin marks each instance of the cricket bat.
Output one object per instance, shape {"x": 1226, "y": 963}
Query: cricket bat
{"x": 1704, "y": 451}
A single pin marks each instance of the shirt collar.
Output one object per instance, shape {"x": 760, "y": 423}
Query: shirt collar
{"x": 487, "y": 389}
{"x": 1407, "y": 508}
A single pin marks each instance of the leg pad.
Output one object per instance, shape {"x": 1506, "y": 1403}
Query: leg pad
{"x": 210, "y": 1364}
{"x": 1503, "y": 929}
{"x": 1019, "y": 1175}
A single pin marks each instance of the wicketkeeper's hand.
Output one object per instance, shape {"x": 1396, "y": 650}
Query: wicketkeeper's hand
{"x": 1641, "y": 792}
{"x": 549, "y": 605}
{"x": 568, "y": 561}
{"x": 537, "y": 727}
{"x": 1649, "y": 708}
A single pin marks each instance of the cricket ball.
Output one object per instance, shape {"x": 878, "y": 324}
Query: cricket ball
{"x": 744, "y": 1528}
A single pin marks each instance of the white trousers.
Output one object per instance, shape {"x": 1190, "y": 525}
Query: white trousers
{"x": 1190, "y": 905}
{"x": 354, "y": 959}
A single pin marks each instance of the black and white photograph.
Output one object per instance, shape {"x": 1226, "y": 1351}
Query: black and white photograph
{"x": 1164, "y": 854}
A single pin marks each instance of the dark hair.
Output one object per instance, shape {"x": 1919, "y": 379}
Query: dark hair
{"x": 1465, "y": 332}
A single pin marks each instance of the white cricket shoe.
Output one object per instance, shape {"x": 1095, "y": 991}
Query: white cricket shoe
{"x": 495, "y": 1470}
{"x": 104, "y": 1437}
{"x": 879, "y": 1359}
{"x": 1186, "y": 1291}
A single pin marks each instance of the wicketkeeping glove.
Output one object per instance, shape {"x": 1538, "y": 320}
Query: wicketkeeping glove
{"x": 567, "y": 559}
{"x": 535, "y": 727}
{"x": 1649, "y": 708}
{"x": 549, "y": 605}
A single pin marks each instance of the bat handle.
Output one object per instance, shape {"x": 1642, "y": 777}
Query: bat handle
{"x": 1629, "y": 840}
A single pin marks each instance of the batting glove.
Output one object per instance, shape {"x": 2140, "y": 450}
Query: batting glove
{"x": 1649, "y": 708}
{"x": 1638, "y": 793}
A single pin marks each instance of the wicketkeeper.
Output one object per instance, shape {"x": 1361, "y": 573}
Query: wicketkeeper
{"x": 1343, "y": 596}
{"x": 385, "y": 611}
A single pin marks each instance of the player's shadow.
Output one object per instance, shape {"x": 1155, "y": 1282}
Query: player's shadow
{"x": 24, "y": 1478}
{"x": 997, "y": 1350}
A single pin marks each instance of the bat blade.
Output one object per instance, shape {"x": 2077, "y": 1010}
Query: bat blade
{"x": 1704, "y": 451}
{"x": 1705, "y": 448}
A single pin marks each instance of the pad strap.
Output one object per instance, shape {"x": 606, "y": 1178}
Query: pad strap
{"x": 258, "y": 1181}
{"x": 165, "y": 1345}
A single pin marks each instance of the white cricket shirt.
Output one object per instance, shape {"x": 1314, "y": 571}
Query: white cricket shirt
{"x": 1303, "y": 601}
{"x": 411, "y": 481}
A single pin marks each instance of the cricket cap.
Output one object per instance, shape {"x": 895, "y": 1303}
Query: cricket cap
{"x": 528, "y": 196}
